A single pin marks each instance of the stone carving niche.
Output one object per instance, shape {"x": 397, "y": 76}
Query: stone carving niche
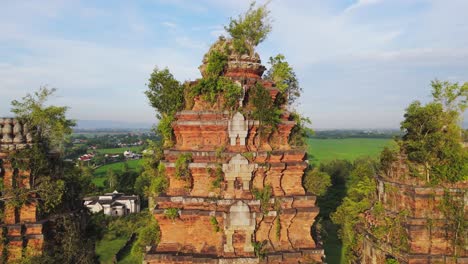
{"x": 238, "y": 167}
{"x": 237, "y": 127}
{"x": 239, "y": 218}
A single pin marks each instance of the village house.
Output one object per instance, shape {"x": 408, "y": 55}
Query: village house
{"x": 114, "y": 204}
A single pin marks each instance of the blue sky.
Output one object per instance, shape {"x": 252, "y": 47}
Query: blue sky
{"x": 360, "y": 62}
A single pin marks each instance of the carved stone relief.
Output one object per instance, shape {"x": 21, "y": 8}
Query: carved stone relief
{"x": 237, "y": 127}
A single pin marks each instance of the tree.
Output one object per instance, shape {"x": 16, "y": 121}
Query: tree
{"x": 284, "y": 77}
{"x": 451, "y": 95}
{"x": 250, "y": 29}
{"x": 432, "y": 135}
{"x": 165, "y": 93}
{"x": 49, "y": 128}
{"x": 112, "y": 179}
{"x": 49, "y": 123}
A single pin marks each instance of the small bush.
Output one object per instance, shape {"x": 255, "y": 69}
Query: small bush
{"x": 171, "y": 213}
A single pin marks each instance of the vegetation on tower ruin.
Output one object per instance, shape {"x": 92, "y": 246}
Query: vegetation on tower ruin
{"x": 249, "y": 29}
{"x": 55, "y": 187}
{"x": 284, "y": 77}
{"x": 431, "y": 146}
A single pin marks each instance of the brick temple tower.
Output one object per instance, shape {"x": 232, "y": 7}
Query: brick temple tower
{"x": 22, "y": 232}
{"x": 218, "y": 216}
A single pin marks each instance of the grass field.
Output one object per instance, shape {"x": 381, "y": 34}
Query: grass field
{"x": 349, "y": 148}
{"x": 135, "y": 149}
{"x": 100, "y": 173}
{"x": 107, "y": 248}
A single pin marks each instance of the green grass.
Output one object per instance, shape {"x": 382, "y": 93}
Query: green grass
{"x": 101, "y": 172}
{"x": 332, "y": 245}
{"x": 106, "y": 249}
{"x": 134, "y": 149}
{"x": 129, "y": 259}
{"x": 349, "y": 148}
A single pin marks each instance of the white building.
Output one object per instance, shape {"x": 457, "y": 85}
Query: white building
{"x": 115, "y": 204}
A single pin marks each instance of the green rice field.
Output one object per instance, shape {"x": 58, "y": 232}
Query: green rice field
{"x": 348, "y": 148}
{"x": 100, "y": 173}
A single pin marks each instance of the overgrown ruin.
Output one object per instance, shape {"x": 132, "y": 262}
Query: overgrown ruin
{"x": 417, "y": 223}
{"x": 22, "y": 230}
{"x": 235, "y": 192}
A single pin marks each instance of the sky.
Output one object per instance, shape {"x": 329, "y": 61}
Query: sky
{"x": 360, "y": 63}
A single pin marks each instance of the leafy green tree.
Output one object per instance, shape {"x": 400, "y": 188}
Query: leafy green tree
{"x": 432, "y": 134}
{"x": 284, "y": 77}
{"x": 112, "y": 179}
{"x": 250, "y": 29}
{"x": 451, "y": 95}
{"x": 49, "y": 127}
{"x": 165, "y": 93}
{"x": 49, "y": 123}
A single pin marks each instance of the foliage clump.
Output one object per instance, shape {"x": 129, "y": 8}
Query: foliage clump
{"x": 390, "y": 228}
{"x": 249, "y": 29}
{"x": 171, "y": 213}
{"x": 49, "y": 124}
{"x": 219, "y": 176}
{"x": 284, "y": 77}
{"x": 456, "y": 224}
{"x": 432, "y": 135}
{"x": 260, "y": 249}
{"x": 213, "y": 89}
{"x": 166, "y": 95}
{"x": 264, "y": 110}
{"x": 264, "y": 195}
{"x": 300, "y": 132}
{"x": 361, "y": 187}
{"x": 152, "y": 181}
{"x": 316, "y": 181}
{"x": 182, "y": 166}
{"x": 215, "y": 224}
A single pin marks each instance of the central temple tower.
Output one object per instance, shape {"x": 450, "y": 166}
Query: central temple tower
{"x": 242, "y": 198}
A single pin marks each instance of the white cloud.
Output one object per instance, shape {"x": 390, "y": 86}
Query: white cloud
{"x": 362, "y": 3}
{"x": 169, "y": 24}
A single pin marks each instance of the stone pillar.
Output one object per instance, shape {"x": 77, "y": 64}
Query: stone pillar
{"x": 228, "y": 246}
{"x": 245, "y": 185}
{"x": 248, "y": 240}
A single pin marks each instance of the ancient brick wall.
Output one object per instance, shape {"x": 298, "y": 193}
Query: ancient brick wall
{"x": 23, "y": 233}
{"x": 429, "y": 237}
